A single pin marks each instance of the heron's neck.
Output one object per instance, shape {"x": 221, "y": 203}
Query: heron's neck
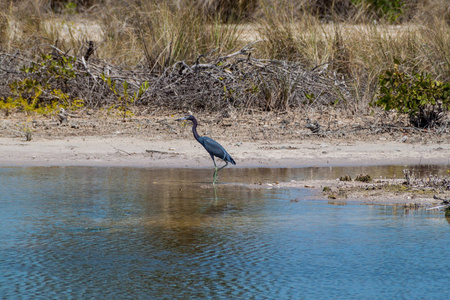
{"x": 194, "y": 129}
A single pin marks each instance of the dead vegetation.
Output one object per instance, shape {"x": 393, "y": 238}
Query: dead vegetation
{"x": 227, "y": 56}
{"x": 413, "y": 189}
{"x": 222, "y": 83}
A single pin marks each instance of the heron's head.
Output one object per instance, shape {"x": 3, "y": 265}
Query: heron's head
{"x": 189, "y": 117}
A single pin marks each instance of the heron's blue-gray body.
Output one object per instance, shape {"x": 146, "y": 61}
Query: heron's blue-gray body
{"x": 213, "y": 147}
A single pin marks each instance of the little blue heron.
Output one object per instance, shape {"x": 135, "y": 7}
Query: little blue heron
{"x": 213, "y": 147}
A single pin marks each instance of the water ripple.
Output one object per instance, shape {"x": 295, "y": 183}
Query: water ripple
{"x": 111, "y": 233}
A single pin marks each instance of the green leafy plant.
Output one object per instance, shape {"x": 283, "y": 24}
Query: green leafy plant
{"x": 385, "y": 8}
{"x": 125, "y": 99}
{"x": 8, "y": 105}
{"x": 71, "y": 7}
{"x": 28, "y": 133}
{"x": 52, "y": 69}
{"x": 38, "y": 91}
{"x": 418, "y": 95}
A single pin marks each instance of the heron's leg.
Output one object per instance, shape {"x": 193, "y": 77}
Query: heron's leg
{"x": 215, "y": 193}
{"x": 226, "y": 164}
{"x": 215, "y": 176}
{"x": 215, "y": 170}
{"x": 216, "y": 173}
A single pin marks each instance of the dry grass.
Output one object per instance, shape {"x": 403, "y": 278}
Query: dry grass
{"x": 361, "y": 51}
{"x": 348, "y": 42}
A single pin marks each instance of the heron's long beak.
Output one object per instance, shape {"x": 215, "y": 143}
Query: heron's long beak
{"x": 181, "y": 119}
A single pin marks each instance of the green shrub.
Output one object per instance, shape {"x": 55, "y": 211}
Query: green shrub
{"x": 125, "y": 100}
{"x": 385, "y": 8}
{"x": 363, "y": 178}
{"x": 44, "y": 87}
{"x": 425, "y": 100}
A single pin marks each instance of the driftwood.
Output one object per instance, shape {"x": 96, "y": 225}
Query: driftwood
{"x": 218, "y": 83}
{"x": 445, "y": 205}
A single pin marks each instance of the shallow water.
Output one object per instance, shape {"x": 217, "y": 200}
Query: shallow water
{"x": 167, "y": 234}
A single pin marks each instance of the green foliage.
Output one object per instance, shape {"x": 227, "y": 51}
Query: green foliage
{"x": 59, "y": 68}
{"x": 363, "y": 178}
{"x": 8, "y": 105}
{"x": 71, "y": 7}
{"x": 28, "y": 133}
{"x": 345, "y": 178}
{"x": 419, "y": 96}
{"x": 37, "y": 92}
{"x": 385, "y": 8}
{"x": 125, "y": 99}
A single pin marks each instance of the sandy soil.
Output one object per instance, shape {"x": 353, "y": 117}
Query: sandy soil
{"x": 124, "y": 150}
{"x": 264, "y": 140}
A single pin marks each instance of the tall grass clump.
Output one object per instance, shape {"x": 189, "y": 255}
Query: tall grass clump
{"x": 291, "y": 34}
{"x": 22, "y": 24}
{"x": 4, "y": 29}
{"x": 228, "y": 10}
{"x": 162, "y": 34}
{"x": 359, "y": 49}
{"x": 133, "y": 32}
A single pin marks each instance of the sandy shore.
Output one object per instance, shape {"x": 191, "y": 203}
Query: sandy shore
{"x": 186, "y": 152}
{"x": 170, "y": 144}
{"x": 170, "y": 153}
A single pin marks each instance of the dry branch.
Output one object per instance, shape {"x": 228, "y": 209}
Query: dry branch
{"x": 231, "y": 81}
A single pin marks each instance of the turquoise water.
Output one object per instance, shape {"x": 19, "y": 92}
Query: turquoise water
{"x": 124, "y": 233}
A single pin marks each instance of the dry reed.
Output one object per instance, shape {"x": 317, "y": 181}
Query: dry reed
{"x": 349, "y": 43}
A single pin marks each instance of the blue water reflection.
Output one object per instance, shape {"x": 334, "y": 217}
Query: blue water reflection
{"x": 167, "y": 234}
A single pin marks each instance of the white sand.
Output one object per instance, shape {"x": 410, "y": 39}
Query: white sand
{"x": 132, "y": 151}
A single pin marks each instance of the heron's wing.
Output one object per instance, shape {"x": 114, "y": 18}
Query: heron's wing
{"x": 214, "y": 148}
